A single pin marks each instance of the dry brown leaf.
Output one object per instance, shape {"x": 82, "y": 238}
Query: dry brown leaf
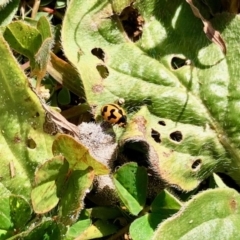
{"x": 210, "y": 32}
{"x": 61, "y": 121}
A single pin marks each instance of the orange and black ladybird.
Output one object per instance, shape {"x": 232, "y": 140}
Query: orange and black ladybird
{"x": 114, "y": 114}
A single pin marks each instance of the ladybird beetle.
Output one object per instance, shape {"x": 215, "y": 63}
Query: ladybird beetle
{"x": 114, "y": 114}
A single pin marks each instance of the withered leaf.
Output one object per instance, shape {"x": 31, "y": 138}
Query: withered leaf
{"x": 209, "y": 30}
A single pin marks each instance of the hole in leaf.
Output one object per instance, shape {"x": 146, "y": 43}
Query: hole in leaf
{"x": 37, "y": 114}
{"x": 103, "y": 71}
{"x": 179, "y": 62}
{"x": 196, "y": 164}
{"x": 162, "y": 123}
{"x": 132, "y": 23}
{"x": 176, "y": 136}
{"x": 156, "y": 136}
{"x": 31, "y": 143}
{"x": 99, "y": 53}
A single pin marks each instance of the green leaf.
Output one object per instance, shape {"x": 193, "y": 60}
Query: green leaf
{"x": 78, "y": 228}
{"x": 4, "y": 192}
{"x": 23, "y": 38}
{"x": 143, "y": 228}
{"x": 73, "y": 193}
{"x": 55, "y": 181}
{"x": 77, "y": 155}
{"x": 66, "y": 75}
{"x": 47, "y": 229}
{"x": 5, "y": 217}
{"x": 43, "y": 26}
{"x": 21, "y": 123}
{"x": 64, "y": 97}
{"x": 163, "y": 206}
{"x": 33, "y": 42}
{"x": 187, "y": 84}
{"x": 44, "y": 197}
{"x": 167, "y": 201}
{"x": 213, "y": 214}
{"x": 218, "y": 181}
{"x": 49, "y": 178}
{"x": 51, "y": 170}
{"x": 131, "y": 185}
{"x": 98, "y": 229}
{"x": 41, "y": 57}
{"x": 20, "y": 211}
{"x": 7, "y": 12}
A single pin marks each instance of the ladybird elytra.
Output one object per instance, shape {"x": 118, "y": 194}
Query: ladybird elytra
{"x": 114, "y": 114}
